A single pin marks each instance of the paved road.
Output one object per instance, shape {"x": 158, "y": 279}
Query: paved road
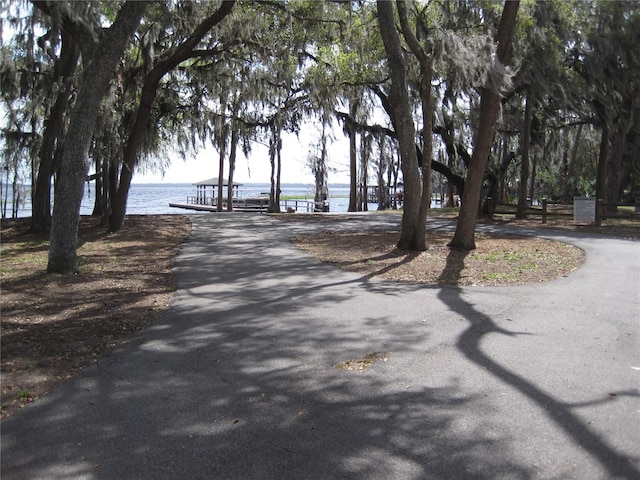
{"x": 238, "y": 380}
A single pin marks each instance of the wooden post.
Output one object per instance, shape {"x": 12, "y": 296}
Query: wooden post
{"x": 544, "y": 210}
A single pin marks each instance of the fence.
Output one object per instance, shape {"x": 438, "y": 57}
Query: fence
{"x": 547, "y": 208}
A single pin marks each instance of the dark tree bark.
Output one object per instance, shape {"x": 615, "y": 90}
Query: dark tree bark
{"x": 534, "y": 170}
{"x": 278, "y": 173}
{"x": 426, "y": 71}
{"x": 496, "y": 181}
{"x": 365, "y": 153}
{"x": 320, "y": 172}
{"x": 464, "y": 236}
{"x": 456, "y": 180}
{"x": 221, "y": 154}
{"x": 233, "y": 148}
{"x": 601, "y": 174}
{"x": 617, "y": 173}
{"x": 74, "y": 164}
{"x": 454, "y": 150}
{"x": 275, "y": 147}
{"x": 52, "y": 134}
{"x": 383, "y": 187}
{"x": 353, "y": 159}
{"x": 149, "y": 91}
{"x": 572, "y": 164}
{"x": 98, "y": 204}
{"x": 524, "y": 167}
{"x": 411, "y": 236}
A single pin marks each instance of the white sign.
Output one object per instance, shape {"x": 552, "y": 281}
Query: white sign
{"x": 584, "y": 210}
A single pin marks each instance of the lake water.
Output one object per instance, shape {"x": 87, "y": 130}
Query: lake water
{"x": 154, "y": 198}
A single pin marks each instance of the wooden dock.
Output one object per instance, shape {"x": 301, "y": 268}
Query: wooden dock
{"x": 249, "y": 204}
{"x": 207, "y": 195}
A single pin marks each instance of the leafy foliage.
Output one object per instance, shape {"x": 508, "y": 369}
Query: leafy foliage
{"x": 269, "y": 67}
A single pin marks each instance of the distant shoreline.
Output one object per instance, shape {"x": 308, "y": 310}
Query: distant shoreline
{"x": 154, "y": 198}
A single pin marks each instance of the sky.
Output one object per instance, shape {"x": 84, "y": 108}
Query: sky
{"x": 257, "y": 168}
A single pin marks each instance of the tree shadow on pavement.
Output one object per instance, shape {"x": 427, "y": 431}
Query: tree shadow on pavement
{"x": 233, "y": 395}
{"x": 239, "y": 381}
{"x": 469, "y": 344}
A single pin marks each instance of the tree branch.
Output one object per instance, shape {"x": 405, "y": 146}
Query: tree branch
{"x": 84, "y": 34}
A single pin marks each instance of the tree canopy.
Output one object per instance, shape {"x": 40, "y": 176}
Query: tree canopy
{"x": 185, "y": 74}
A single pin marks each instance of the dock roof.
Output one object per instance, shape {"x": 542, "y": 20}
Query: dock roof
{"x": 213, "y": 182}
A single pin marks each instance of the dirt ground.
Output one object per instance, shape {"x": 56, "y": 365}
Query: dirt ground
{"x": 495, "y": 261}
{"x": 52, "y": 325}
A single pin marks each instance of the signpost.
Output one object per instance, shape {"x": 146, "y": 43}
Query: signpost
{"x": 584, "y": 210}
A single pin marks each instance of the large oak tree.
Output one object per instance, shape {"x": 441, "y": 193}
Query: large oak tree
{"x": 464, "y": 237}
{"x": 74, "y": 165}
{"x": 171, "y": 60}
{"x": 412, "y": 236}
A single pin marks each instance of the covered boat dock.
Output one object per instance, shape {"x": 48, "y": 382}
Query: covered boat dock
{"x": 206, "y": 199}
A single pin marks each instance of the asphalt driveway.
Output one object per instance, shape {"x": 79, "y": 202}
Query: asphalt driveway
{"x": 238, "y": 380}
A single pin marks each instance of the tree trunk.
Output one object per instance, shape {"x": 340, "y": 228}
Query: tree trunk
{"x": 365, "y": 153}
{"x": 272, "y": 190}
{"x": 98, "y": 205}
{"x": 319, "y": 168}
{"x": 353, "y": 160}
{"x": 119, "y": 197}
{"x": 74, "y": 164}
{"x": 111, "y": 188}
{"x": 572, "y": 164}
{"x": 274, "y": 155}
{"x": 499, "y": 194}
{"x": 15, "y": 193}
{"x": 616, "y": 170}
{"x": 53, "y": 133}
{"x": 278, "y": 174}
{"x": 464, "y": 236}
{"x": 411, "y": 236}
{"x": 456, "y": 180}
{"x": 524, "y": 168}
{"x": 601, "y": 175}
{"x": 534, "y": 171}
{"x": 233, "y": 147}
{"x": 147, "y": 97}
{"x": 222, "y": 147}
{"x": 383, "y": 188}
{"x": 5, "y": 197}
{"x": 425, "y": 161}
{"x": 453, "y": 151}
{"x": 496, "y": 179}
